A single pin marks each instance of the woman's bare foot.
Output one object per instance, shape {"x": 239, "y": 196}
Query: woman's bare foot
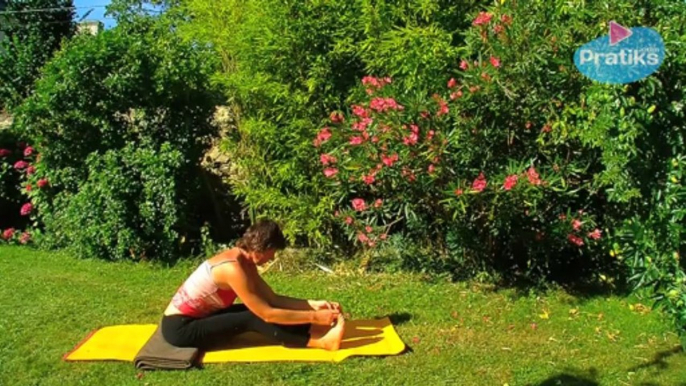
{"x": 328, "y": 339}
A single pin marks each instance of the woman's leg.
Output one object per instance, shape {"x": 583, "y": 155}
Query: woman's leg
{"x": 220, "y": 327}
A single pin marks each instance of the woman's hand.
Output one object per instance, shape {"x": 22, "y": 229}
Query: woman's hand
{"x": 325, "y": 317}
{"x": 324, "y": 305}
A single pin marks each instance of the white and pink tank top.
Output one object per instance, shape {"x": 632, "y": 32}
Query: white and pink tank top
{"x": 200, "y": 296}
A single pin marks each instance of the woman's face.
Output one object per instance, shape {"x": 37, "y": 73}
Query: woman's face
{"x": 260, "y": 258}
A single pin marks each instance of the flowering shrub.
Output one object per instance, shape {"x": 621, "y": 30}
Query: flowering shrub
{"x": 16, "y": 176}
{"x": 416, "y": 164}
{"x": 121, "y": 123}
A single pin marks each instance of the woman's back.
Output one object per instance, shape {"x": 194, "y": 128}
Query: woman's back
{"x": 200, "y": 295}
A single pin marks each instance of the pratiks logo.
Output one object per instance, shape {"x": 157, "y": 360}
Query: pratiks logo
{"x": 625, "y": 56}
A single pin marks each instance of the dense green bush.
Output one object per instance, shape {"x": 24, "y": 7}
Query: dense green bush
{"x": 286, "y": 64}
{"x": 121, "y": 121}
{"x": 518, "y": 109}
{"x": 30, "y": 39}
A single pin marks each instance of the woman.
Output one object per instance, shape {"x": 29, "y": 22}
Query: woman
{"x": 202, "y": 314}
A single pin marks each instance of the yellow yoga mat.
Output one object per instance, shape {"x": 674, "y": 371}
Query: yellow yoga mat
{"x": 362, "y": 337}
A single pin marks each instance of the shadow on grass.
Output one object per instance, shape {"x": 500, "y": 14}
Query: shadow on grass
{"x": 659, "y": 360}
{"x": 398, "y": 318}
{"x": 568, "y": 380}
{"x": 582, "y": 289}
{"x": 572, "y": 378}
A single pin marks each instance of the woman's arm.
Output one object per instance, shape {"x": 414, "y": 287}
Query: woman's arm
{"x": 257, "y": 302}
{"x": 281, "y": 301}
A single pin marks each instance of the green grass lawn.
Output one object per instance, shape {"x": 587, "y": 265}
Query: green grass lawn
{"x": 458, "y": 334}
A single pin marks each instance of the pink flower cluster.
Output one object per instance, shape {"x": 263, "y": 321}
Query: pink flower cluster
{"x": 482, "y": 19}
{"x": 29, "y": 169}
{"x": 323, "y": 136}
{"x": 577, "y": 226}
{"x": 365, "y": 234}
{"x": 381, "y": 105}
{"x": 374, "y": 84}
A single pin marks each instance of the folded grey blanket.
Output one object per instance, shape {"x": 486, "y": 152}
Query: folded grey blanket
{"x": 158, "y": 354}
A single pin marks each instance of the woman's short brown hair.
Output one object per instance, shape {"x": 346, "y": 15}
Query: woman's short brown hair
{"x": 261, "y": 236}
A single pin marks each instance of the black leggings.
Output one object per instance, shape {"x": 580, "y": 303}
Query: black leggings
{"x": 215, "y": 330}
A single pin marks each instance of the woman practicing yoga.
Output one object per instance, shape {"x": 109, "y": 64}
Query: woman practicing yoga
{"x": 202, "y": 313}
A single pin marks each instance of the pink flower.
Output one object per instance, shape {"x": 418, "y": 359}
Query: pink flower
{"x": 5, "y": 152}
{"x": 382, "y": 104}
{"x": 360, "y": 111}
{"x": 575, "y": 240}
{"x": 383, "y": 236}
{"x": 8, "y": 233}
{"x": 28, "y": 151}
{"x": 20, "y": 165}
{"x": 26, "y": 209}
{"x": 527, "y": 125}
{"x": 359, "y": 204}
{"x": 30, "y": 170}
{"x": 330, "y": 172}
{"x": 372, "y": 81}
{"x": 458, "y": 192}
{"x": 336, "y": 117}
{"x": 546, "y": 128}
{"x": 430, "y": 135}
{"x": 323, "y": 136}
{"x": 28, "y": 187}
{"x": 24, "y": 238}
{"x": 479, "y": 183}
{"x": 425, "y": 114}
{"x": 368, "y": 179}
{"x": 42, "y": 183}
{"x": 368, "y": 229}
{"x": 349, "y": 220}
{"x": 576, "y": 224}
{"x": 378, "y": 203}
{"x": 510, "y": 182}
{"x": 474, "y": 89}
{"x": 442, "y": 108}
{"x": 595, "y": 235}
{"x": 457, "y": 94}
{"x": 336, "y": 213}
{"x": 431, "y": 169}
{"x": 452, "y": 83}
{"x": 464, "y": 65}
{"x": 506, "y": 19}
{"x": 495, "y": 62}
{"x": 533, "y": 176}
{"x": 356, "y": 140}
{"x": 324, "y": 158}
{"x": 482, "y": 18}
{"x": 498, "y": 28}
{"x": 362, "y": 237}
{"x": 375, "y": 139}
{"x": 411, "y": 139}
{"x": 362, "y": 125}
